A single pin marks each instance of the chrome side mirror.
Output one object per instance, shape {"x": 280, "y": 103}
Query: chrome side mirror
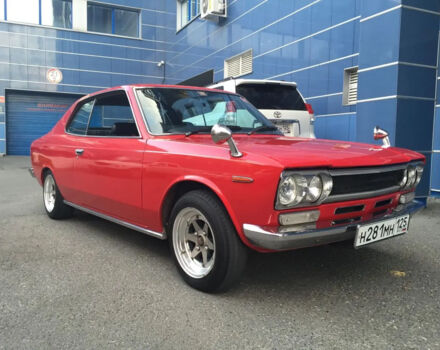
{"x": 380, "y": 134}
{"x": 221, "y": 134}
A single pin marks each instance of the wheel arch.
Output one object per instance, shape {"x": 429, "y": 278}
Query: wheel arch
{"x": 190, "y": 183}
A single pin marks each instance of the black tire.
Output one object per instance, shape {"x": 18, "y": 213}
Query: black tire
{"x": 59, "y": 210}
{"x": 230, "y": 256}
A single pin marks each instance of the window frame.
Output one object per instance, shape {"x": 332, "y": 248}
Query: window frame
{"x": 189, "y": 17}
{"x": 81, "y": 103}
{"x": 346, "y": 86}
{"x": 40, "y": 16}
{"x": 113, "y": 8}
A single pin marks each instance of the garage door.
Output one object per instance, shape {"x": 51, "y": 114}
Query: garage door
{"x": 30, "y": 115}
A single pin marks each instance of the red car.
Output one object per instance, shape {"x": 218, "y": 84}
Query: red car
{"x": 206, "y": 170}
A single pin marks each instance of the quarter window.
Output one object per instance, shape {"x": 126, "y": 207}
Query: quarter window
{"x": 112, "y": 116}
{"x": 78, "y": 124}
{"x": 111, "y": 20}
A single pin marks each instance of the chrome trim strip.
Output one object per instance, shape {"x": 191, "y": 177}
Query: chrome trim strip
{"x": 369, "y": 170}
{"x": 361, "y": 195}
{"x": 277, "y": 240}
{"x": 159, "y": 235}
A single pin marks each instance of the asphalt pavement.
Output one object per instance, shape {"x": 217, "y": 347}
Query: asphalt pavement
{"x": 85, "y": 283}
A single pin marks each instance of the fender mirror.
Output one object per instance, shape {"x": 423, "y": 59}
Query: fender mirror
{"x": 221, "y": 134}
{"x": 380, "y": 134}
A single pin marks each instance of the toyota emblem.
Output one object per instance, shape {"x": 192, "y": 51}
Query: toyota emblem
{"x": 277, "y": 114}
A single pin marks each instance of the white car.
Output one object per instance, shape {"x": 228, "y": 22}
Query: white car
{"x": 279, "y": 101}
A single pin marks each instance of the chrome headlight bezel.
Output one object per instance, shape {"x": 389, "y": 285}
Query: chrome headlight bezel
{"x": 312, "y": 188}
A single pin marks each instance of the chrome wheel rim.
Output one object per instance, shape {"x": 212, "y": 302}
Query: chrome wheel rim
{"x": 49, "y": 193}
{"x": 193, "y": 242}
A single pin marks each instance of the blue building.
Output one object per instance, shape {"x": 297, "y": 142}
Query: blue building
{"x": 360, "y": 63}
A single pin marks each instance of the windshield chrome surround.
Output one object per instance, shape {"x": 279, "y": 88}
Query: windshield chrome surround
{"x": 134, "y": 89}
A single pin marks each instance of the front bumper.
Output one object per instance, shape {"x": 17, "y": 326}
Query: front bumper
{"x": 31, "y": 172}
{"x": 309, "y": 238}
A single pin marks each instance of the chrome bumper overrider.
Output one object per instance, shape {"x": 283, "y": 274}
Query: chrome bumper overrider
{"x": 31, "y": 171}
{"x": 308, "y": 238}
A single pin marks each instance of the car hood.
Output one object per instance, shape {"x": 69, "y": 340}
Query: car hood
{"x": 308, "y": 153}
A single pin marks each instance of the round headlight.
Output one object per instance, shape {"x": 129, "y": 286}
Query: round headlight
{"x": 411, "y": 176}
{"x": 419, "y": 171}
{"x": 314, "y": 190}
{"x": 404, "y": 180}
{"x": 292, "y": 190}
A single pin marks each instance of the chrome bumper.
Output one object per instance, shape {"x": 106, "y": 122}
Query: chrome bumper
{"x": 309, "y": 238}
{"x": 31, "y": 171}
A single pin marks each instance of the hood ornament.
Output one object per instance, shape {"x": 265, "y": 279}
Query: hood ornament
{"x": 221, "y": 134}
{"x": 380, "y": 134}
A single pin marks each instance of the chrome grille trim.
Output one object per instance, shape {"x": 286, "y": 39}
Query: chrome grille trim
{"x": 361, "y": 195}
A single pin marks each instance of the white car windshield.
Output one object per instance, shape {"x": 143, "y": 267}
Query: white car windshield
{"x": 187, "y": 111}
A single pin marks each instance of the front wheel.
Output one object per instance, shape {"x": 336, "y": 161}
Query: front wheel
{"x": 53, "y": 200}
{"x": 206, "y": 248}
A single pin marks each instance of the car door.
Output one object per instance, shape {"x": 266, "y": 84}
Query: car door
{"x": 108, "y": 164}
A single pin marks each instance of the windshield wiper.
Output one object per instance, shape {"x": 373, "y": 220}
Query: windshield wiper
{"x": 263, "y": 128}
{"x": 197, "y": 131}
{"x": 192, "y": 132}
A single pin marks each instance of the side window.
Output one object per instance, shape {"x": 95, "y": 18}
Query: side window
{"x": 78, "y": 124}
{"x": 112, "y": 116}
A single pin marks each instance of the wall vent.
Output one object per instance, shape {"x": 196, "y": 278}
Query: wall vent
{"x": 238, "y": 65}
{"x": 350, "y": 86}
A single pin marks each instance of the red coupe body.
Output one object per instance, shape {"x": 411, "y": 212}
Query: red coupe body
{"x": 137, "y": 179}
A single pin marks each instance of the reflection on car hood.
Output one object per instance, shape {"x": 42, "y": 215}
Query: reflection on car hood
{"x": 302, "y": 152}
{"x": 297, "y": 152}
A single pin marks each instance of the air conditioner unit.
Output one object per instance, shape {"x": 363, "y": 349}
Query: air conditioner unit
{"x": 210, "y": 9}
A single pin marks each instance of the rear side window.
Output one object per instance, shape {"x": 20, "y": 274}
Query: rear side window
{"x": 78, "y": 124}
{"x": 112, "y": 116}
{"x": 272, "y": 96}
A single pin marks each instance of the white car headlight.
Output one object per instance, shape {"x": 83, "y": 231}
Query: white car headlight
{"x": 419, "y": 171}
{"x": 292, "y": 190}
{"x": 314, "y": 189}
{"x": 308, "y": 189}
{"x": 412, "y": 176}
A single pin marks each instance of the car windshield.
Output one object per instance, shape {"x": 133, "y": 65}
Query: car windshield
{"x": 186, "y": 111}
{"x": 272, "y": 96}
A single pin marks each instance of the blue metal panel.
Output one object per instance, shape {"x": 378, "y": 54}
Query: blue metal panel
{"x": 419, "y": 37}
{"x": 31, "y": 115}
{"x": 379, "y": 39}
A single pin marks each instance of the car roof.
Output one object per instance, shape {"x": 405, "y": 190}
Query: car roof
{"x": 255, "y": 81}
{"x": 124, "y": 87}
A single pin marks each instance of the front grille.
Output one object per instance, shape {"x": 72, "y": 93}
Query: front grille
{"x": 365, "y": 182}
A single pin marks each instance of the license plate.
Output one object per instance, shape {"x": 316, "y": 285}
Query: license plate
{"x": 287, "y": 128}
{"x": 367, "y": 234}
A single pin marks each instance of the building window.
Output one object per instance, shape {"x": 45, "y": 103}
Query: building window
{"x": 238, "y": 65}
{"x": 112, "y": 20}
{"x": 26, "y": 11}
{"x": 55, "y": 13}
{"x": 187, "y": 10}
{"x": 2, "y": 10}
{"x": 349, "y": 96}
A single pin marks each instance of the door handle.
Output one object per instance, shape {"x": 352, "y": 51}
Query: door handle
{"x": 79, "y": 151}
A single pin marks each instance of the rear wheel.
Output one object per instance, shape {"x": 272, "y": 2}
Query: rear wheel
{"x": 206, "y": 248}
{"x": 53, "y": 200}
